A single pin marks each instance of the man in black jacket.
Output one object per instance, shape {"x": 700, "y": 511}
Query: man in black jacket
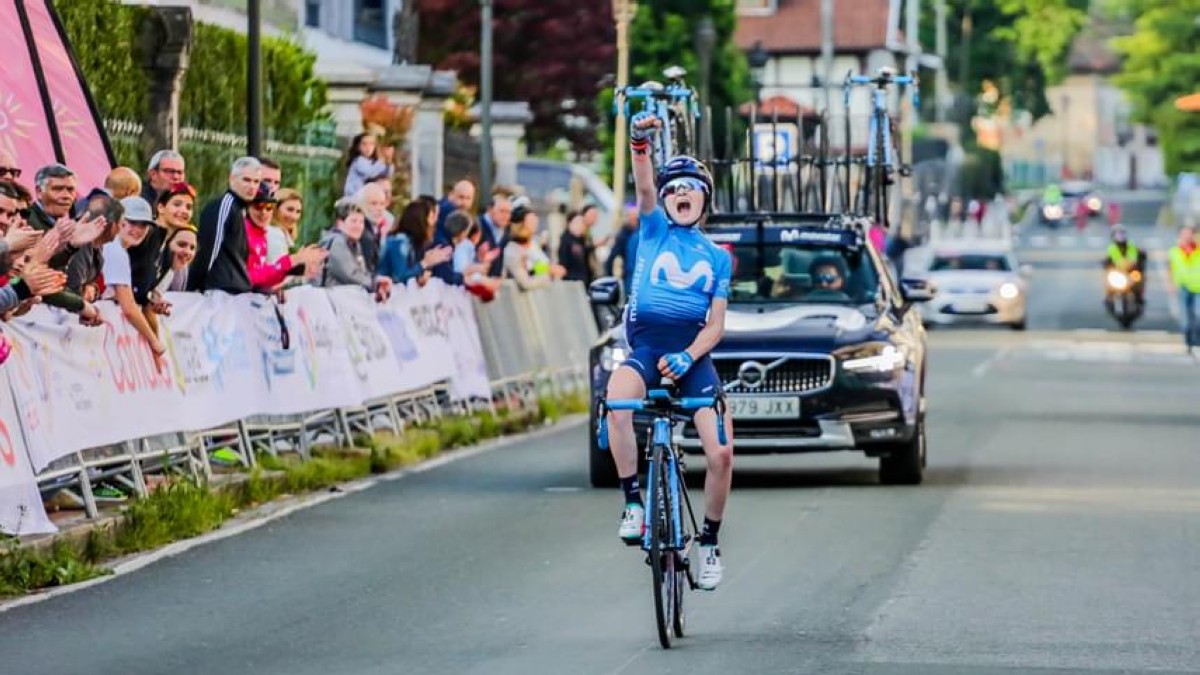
{"x": 222, "y": 250}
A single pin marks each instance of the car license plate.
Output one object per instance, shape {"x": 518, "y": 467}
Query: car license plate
{"x": 764, "y": 407}
{"x": 969, "y": 307}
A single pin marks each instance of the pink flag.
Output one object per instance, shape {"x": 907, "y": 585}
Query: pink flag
{"x": 46, "y": 114}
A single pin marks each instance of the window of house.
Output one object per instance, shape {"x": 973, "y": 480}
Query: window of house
{"x": 757, "y": 6}
{"x": 312, "y": 13}
{"x": 370, "y": 25}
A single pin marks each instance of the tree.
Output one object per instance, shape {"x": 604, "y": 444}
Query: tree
{"x": 1161, "y": 64}
{"x": 554, "y": 54}
{"x": 1020, "y": 46}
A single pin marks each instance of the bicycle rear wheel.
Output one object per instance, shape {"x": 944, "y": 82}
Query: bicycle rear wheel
{"x": 662, "y": 558}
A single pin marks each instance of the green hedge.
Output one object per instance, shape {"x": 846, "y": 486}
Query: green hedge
{"x": 104, "y": 35}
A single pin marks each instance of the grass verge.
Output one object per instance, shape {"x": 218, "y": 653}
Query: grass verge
{"x": 182, "y": 508}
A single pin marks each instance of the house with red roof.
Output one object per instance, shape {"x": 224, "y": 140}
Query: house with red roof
{"x": 785, "y": 37}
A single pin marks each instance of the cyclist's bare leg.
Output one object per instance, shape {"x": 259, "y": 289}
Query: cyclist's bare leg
{"x": 625, "y": 383}
{"x": 719, "y": 458}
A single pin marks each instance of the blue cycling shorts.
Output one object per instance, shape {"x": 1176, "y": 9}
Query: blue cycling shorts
{"x": 700, "y": 380}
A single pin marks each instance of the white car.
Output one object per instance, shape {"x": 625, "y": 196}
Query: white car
{"x": 977, "y": 281}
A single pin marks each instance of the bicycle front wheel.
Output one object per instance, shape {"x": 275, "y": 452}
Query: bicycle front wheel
{"x": 662, "y": 557}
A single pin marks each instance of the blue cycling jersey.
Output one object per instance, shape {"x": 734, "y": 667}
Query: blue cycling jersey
{"x": 679, "y": 273}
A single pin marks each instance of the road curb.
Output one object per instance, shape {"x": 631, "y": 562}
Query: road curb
{"x": 276, "y": 510}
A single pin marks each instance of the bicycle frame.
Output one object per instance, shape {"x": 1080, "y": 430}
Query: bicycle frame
{"x": 668, "y": 410}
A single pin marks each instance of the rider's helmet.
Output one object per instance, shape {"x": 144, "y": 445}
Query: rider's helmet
{"x": 1118, "y": 233}
{"x": 687, "y": 167}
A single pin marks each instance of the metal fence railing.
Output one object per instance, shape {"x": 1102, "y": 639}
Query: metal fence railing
{"x": 534, "y": 344}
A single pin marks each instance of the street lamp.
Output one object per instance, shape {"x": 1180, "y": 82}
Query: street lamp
{"x": 705, "y": 40}
{"x": 758, "y": 59}
{"x": 485, "y": 120}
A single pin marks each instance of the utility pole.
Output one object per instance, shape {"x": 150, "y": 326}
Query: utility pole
{"x": 943, "y": 80}
{"x": 623, "y": 13}
{"x": 912, "y": 65}
{"x": 254, "y": 80}
{"x": 485, "y": 117}
{"x": 827, "y": 53}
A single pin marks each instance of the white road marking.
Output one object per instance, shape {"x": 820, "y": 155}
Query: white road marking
{"x": 986, "y": 365}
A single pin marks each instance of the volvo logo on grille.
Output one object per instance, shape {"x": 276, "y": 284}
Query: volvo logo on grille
{"x": 752, "y": 374}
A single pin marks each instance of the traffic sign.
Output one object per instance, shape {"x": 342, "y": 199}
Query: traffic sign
{"x": 776, "y": 145}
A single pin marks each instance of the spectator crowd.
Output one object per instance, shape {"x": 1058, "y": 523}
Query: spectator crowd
{"x": 139, "y": 236}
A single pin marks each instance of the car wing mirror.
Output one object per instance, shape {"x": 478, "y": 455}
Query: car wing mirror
{"x": 606, "y": 292}
{"x": 916, "y": 290}
{"x": 1025, "y": 270}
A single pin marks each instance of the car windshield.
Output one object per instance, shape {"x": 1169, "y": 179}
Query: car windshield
{"x": 789, "y": 273}
{"x": 990, "y": 262}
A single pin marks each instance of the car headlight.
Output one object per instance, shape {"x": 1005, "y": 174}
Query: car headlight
{"x": 1008, "y": 290}
{"x": 1118, "y": 280}
{"x": 875, "y": 357}
{"x": 612, "y": 357}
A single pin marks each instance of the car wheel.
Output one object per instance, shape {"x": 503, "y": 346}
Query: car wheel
{"x": 601, "y": 468}
{"x": 1020, "y": 325}
{"x": 905, "y": 462}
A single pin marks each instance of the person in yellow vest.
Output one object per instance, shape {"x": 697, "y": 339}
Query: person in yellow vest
{"x": 1123, "y": 255}
{"x": 1185, "y": 276}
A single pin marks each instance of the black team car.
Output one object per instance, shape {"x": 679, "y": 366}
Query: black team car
{"x": 823, "y": 349}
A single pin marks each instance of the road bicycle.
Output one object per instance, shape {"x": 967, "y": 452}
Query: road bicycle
{"x": 675, "y": 103}
{"x": 882, "y": 156}
{"x": 668, "y": 537}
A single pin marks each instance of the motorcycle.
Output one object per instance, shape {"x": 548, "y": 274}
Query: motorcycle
{"x": 1121, "y": 295}
{"x": 1052, "y": 214}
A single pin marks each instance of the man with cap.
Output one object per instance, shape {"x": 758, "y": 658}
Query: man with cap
{"x": 118, "y": 271}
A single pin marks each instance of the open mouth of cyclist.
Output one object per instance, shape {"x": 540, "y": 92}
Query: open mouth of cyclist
{"x": 686, "y": 208}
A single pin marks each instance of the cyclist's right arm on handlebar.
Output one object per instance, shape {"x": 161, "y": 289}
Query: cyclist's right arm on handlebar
{"x": 643, "y": 167}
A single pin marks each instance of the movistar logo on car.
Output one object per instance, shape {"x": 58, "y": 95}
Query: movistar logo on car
{"x": 823, "y": 236}
{"x": 667, "y": 268}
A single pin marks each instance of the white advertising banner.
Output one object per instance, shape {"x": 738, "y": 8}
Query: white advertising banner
{"x": 413, "y": 322}
{"x": 21, "y": 508}
{"x": 470, "y": 379}
{"x": 78, "y": 387}
{"x": 68, "y": 387}
{"x": 372, "y": 358}
{"x": 314, "y": 371}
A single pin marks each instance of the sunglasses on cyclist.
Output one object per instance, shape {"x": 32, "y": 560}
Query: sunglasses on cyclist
{"x": 681, "y": 186}
{"x": 9, "y": 172}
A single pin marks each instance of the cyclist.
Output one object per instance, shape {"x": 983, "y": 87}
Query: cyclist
{"x": 675, "y": 316}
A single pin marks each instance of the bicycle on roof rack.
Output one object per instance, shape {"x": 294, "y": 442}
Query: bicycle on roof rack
{"x": 882, "y": 159}
{"x": 676, "y": 103}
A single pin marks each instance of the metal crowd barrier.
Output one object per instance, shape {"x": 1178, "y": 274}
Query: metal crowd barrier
{"x": 535, "y": 343}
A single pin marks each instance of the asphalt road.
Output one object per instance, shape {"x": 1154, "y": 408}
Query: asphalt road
{"x": 1057, "y": 531}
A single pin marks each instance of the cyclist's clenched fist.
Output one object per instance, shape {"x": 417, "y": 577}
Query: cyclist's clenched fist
{"x": 643, "y": 125}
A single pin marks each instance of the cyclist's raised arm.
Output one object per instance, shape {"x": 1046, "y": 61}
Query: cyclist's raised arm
{"x": 641, "y": 129}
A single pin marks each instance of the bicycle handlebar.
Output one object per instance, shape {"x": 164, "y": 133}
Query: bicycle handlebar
{"x": 880, "y": 81}
{"x": 670, "y": 93}
{"x": 659, "y": 400}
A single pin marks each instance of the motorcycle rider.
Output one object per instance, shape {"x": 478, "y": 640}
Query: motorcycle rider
{"x": 1126, "y": 257}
